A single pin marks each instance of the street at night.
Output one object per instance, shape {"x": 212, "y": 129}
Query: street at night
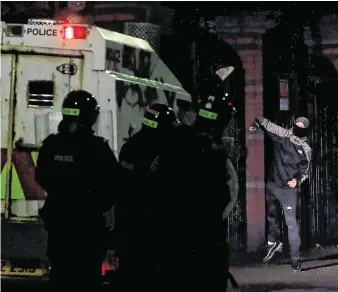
{"x": 181, "y": 145}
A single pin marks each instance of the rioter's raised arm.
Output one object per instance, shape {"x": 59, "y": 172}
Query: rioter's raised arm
{"x": 275, "y": 132}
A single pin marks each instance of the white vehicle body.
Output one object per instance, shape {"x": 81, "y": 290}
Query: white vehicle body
{"x": 124, "y": 74}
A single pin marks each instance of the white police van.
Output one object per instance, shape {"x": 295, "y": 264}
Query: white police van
{"x": 40, "y": 63}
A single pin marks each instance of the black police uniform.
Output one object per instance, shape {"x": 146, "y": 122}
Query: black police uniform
{"x": 175, "y": 234}
{"x": 206, "y": 195}
{"x": 206, "y": 160}
{"x": 76, "y": 168}
{"x": 145, "y": 159}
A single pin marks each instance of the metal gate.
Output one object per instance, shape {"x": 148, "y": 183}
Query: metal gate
{"x": 319, "y": 213}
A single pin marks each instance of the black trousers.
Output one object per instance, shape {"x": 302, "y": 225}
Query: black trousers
{"x": 174, "y": 270}
{"x": 75, "y": 260}
{"x": 287, "y": 198}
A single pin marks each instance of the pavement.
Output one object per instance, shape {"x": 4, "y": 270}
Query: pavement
{"x": 319, "y": 272}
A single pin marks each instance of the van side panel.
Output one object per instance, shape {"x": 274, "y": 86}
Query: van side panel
{"x": 5, "y": 83}
{"x": 107, "y": 122}
{"x": 39, "y": 89}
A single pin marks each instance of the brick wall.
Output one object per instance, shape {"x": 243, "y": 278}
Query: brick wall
{"x": 329, "y": 35}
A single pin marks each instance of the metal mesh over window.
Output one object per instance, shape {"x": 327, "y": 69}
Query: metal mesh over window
{"x": 146, "y": 31}
{"x": 40, "y": 93}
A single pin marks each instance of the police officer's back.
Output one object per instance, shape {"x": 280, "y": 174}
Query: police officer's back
{"x": 146, "y": 159}
{"x": 76, "y": 169}
{"x": 141, "y": 153}
{"x": 175, "y": 230}
{"x": 207, "y": 189}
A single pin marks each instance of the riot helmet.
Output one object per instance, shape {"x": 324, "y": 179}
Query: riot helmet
{"x": 215, "y": 113}
{"x": 79, "y": 110}
{"x": 159, "y": 117}
{"x": 80, "y": 106}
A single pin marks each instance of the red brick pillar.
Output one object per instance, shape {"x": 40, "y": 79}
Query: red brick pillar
{"x": 255, "y": 186}
{"x": 329, "y": 36}
{"x": 245, "y": 36}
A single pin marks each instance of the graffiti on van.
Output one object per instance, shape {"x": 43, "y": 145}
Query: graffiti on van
{"x": 23, "y": 184}
{"x": 132, "y": 99}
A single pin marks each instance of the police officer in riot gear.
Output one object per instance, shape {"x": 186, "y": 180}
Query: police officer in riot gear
{"x": 213, "y": 117}
{"x": 145, "y": 159}
{"x": 213, "y": 178}
{"x": 157, "y": 124}
{"x": 174, "y": 232}
{"x": 75, "y": 168}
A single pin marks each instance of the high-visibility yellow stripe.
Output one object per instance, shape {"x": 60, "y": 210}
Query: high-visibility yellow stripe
{"x": 4, "y": 181}
{"x": 71, "y": 111}
{"x": 16, "y": 191}
{"x": 35, "y": 157}
{"x": 207, "y": 114}
{"x": 149, "y": 123}
{"x": 16, "y": 188}
{"x": 9, "y": 269}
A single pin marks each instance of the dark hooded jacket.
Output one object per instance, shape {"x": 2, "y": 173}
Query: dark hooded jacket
{"x": 292, "y": 155}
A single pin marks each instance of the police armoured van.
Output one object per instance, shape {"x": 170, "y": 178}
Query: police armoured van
{"x": 40, "y": 63}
